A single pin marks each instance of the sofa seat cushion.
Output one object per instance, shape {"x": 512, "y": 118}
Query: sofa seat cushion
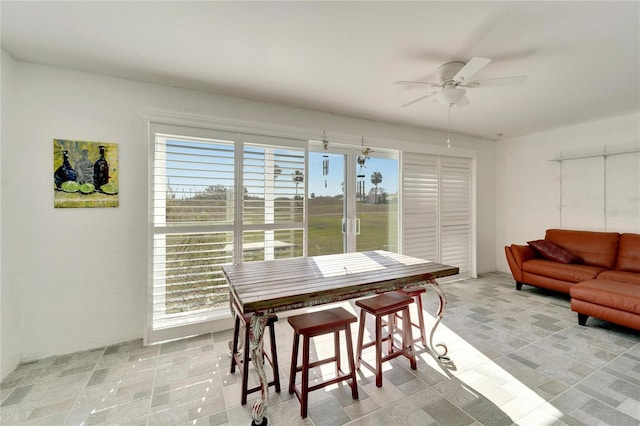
{"x": 622, "y": 276}
{"x": 613, "y": 294}
{"x": 561, "y": 271}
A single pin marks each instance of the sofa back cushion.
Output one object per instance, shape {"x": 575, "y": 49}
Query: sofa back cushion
{"x": 629, "y": 253}
{"x": 594, "y": 248}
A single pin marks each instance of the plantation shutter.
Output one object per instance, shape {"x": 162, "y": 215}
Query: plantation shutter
{"x": 193, "y": 213}
{"x": 273, "y": 202}
{"x": 420, "y": 222}
{"x": 217, "y": 198}
{"x": 437, "y": 209}
{"x": 455, "y": 213}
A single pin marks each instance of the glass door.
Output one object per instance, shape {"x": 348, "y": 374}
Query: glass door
{"x": 352, "y": 207}
{"x": 376, "y": 204}
{"x": 326, "y": 203}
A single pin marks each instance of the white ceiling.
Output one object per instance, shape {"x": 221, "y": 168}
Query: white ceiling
{"x": 582, "y": 58}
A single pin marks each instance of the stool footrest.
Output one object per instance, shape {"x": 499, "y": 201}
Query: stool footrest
{"x": 342, "y": 377}
{"x": 318, "y": 363}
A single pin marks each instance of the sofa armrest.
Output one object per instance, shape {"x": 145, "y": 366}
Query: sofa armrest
{"x": 522, "y": 253}
{"x": 516, "y": 256}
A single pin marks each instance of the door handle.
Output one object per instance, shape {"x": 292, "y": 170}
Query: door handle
{"x": 357, "y": 226}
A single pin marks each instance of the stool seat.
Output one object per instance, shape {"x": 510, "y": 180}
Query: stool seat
{"x": 243, "y": 359}
{"x": 320, "y": 322}
{"x": 413, "y": 291}
{"x": 386, "y": 304}
{"x": 315, "y": 324}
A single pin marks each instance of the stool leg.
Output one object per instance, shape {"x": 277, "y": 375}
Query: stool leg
{"x": 423, "y": 336}
{"x": 379, "y": 351}
{"x": 274, "y": 358}
{"x": 407, "y": 336}
{"x": 294, "y": 362}
{"x": 352, "y": 368}
{"x": 336, "y": 345}
{"x": 391, "y": 328}
{"x": 304, "y": 397}
{"x": 234, "y": 348}
{"x": 360, "y": 337}
{"x": 245, "y": 365}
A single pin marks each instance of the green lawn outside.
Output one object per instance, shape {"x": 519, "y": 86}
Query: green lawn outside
{"x": 378, "y": 225}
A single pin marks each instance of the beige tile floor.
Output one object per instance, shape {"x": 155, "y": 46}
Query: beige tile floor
{"x": 517, "y": 357}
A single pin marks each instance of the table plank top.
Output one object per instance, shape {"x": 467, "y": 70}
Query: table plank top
{"x": 292, "y": 283}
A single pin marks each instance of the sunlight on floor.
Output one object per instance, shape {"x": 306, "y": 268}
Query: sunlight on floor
{"x": 478, "y": 375}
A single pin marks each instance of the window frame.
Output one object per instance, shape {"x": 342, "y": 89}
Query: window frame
{"x": 220, "y": 318}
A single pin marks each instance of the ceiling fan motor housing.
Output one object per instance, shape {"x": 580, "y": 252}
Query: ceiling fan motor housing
{"x": 446, "y": 72}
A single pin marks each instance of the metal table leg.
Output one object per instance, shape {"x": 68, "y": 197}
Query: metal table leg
{"x": 442, "y": 303}
{"x": 256, "y": 334}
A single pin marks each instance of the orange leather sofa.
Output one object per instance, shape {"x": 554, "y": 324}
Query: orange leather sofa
{"x": 604, "y": 283}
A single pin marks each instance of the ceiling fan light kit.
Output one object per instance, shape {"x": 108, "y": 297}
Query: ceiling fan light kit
{"x": 450, "y": 95}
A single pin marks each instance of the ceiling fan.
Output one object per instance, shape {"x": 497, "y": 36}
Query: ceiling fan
{"x": 454, "y": 77}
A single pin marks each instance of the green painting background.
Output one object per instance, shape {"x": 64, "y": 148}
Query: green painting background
{"x": 63, "y": 199}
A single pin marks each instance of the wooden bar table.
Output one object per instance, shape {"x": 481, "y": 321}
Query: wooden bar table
{"x": 271, "y": 286}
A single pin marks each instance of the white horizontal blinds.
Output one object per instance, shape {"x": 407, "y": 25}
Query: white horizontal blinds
{"x": 455, "y": 213}
{"x": 420, "y": 222}
{"x": 188, "y": 281}
{"x": 193, "y": 215}
{"x": 273, "y": 184}
{"x": 194, "y": 181}
{"x": 273, "y": 202}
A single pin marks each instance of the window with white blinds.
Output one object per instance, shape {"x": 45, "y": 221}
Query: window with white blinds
{"x": 273, "y": 200}
{"x": 193, "y": 214}
{"x": 217, "y": 199}
{"x": 437, "y": 209}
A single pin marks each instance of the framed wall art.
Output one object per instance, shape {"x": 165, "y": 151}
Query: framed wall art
{"x": 85, "y": 174}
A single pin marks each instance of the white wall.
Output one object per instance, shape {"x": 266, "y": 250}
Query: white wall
{"x": 528, "y": 183}
{"x": 10, "y": 344}
{"x": 77, "y": 278}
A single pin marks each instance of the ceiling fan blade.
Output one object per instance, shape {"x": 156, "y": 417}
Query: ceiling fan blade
{"x": 419, "y": 99}
{"x": 493, "y": 82}
{"x": 416, "y": 83}
{"x": 464, "y": 101}
{"x": 473, "y": 66}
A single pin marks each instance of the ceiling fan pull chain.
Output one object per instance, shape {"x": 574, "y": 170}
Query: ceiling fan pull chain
{"x": 449, "y": 126}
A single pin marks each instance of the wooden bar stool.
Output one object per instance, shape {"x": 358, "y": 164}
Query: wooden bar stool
{"x": 242, "y": 360}
{"x": 315, "y": 324}
{"x": 386, "y": 304}
{"x": 416, "y": 294}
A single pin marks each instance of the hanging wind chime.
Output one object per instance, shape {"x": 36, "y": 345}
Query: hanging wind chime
{"x": 325, "y": 158}
{"x": 361, "y": 160}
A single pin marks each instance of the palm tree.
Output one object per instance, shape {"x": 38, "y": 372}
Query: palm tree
{"x": 376, "y": 178}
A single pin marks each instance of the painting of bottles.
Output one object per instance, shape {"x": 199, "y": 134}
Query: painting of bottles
{"x": 85, "y": 174}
